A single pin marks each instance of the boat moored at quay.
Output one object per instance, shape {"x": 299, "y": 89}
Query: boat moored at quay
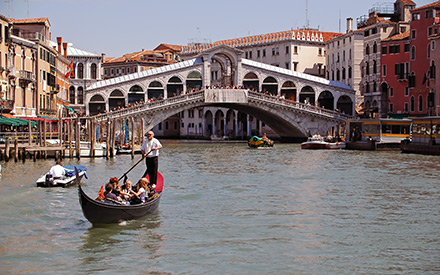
{"x": 425, "y": 137}
{"x": 377, "y": 134}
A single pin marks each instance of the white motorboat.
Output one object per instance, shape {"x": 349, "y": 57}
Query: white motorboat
{"x": 46, "y": 180}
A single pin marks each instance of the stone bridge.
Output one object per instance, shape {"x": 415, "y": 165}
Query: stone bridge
{"x": 289, "y": 119}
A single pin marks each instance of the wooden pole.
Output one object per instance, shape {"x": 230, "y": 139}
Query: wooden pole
{"x": 113, "y": 136}
{"x": 92, "y": 137}
{"x": 70, "y": 126}
{"x": 107, "y": 155}
{"x": 40, "y": 130}
{"x": 44, "y": 132}
{"x": 50, "y": 130}
{"x": 142, "y": 139}
{"x": 30, "y": 132}
{"x": 16, "y": 150}
{"x": 7, "y": 149}
{"x": 77, "y": 139}
{"x": 132, "y": 137}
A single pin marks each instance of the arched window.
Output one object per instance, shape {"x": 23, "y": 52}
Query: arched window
{"x": 72, "y": 95}
{"x": 93, "y": 71}
{"x": 80, "y": 71}
{"x": 413, "y": 52}
{"x": 375, "y": 48}
{"x": 412, "y": 104}
{"x": 80, "y": 95}
{"x": 420, "y": 103}
{"x": 367, "y": 49}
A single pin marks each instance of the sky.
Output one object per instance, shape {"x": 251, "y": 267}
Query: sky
{"x": 117, "y": 27}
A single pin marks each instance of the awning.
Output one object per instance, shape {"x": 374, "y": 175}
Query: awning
{"x": 15, "y": 121}
{"x": 70, "y": 109}
{"x": 50, "y": 119}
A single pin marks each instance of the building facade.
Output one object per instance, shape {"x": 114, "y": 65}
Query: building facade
{"x": 344, "y": 57}
{"x": 395, "y": 68}
{"x": 381, "y": 23}
{"x": 422, "y": 61}
{"x": 434, "y": 72}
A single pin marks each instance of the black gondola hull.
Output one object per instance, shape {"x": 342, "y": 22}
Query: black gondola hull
{"x": 98, "y": 212}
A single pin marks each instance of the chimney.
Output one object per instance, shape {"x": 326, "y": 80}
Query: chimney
{"x": 65, "y": 49}
{"x": 102, "y": 57}
{"x": 349, "y": 24}
{"x": 59, "y": 41}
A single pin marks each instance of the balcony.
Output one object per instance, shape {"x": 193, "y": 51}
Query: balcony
{"x": 26, "y": 76}
{"x": 6, "y": 105}
{"x": 48, "y": 112}
{"x": 54, "y": 90}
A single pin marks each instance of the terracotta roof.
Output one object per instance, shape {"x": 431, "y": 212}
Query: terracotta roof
{"x": 432, "y": 5}
{"x": 299, "y": 34}
{"x": 152, "y": 56}
{"x": 399, "y": 36}
{"x": 43, "y": 20}
{"x": 164, "y": 46}
{"x": 408, "y": 2}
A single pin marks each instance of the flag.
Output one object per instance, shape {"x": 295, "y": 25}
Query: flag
{"x": 69, "y": 70}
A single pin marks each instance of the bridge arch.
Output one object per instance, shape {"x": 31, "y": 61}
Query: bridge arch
{"x": 307, "y": 95}
{"x": 251, "y": 81}
{"x": 326, "y": 100}
{"x": 288, "y": 90}
{"x": 270, "y": 84}
{"x": 230, "y": 122}
{"x": 219, "y": 122}
{"x": 155, "y": 90}
{"x": 174, "y": 86}
{"x": 136, "y": 93}
{"x": 194, "y": 80}
{"x": 96, "y": 104}
{"x": 345, "y": 105}
{"x": 116, "y": 99}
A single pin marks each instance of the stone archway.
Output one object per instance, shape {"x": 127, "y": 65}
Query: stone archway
{"x": 174, "y": 87}
{"x": 194, "y": 81}
{"x": 270, "y": 85}
{"x": 288, "y": 90}
{"x": 116, "y": 100}
{"x": 136, "y": 94}
{"x": 208, "y": 129}
{"x": 345, "y": 105}
{"x": 155, "y": 91}
{"x": 219, "y": 123}
{"x": 251, "y": 81}
{"x": 326, "y": 100}
{"x": 96, "y": 105}
{"x": 224, "y": 62}
{"x": 307, "y": 95}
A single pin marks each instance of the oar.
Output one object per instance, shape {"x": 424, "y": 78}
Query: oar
{"x": 134, "y": 166}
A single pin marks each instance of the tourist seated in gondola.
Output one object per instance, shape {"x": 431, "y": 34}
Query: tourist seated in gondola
{"x": 142, "y": 187}
{"x": 115, "y": 183}
{"x": 126, "y": 190}
{"x": 110, "y": 196}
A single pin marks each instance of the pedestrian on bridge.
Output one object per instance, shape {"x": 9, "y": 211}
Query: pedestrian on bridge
{"x": 150, "y": 150}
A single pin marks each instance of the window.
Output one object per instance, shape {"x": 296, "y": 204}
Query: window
{"x": 105, "y": 71}
{"x": 343, "y": 55}
{"x": 258, "y": 53}
{"x": 366, "y": 33}
{"x": 338, "y": 76}
{"x": 367, "y": 49}
{"x": 406, "y": 48}
{"x": 413, "y": 53}
{"x": 391, "y": 107}
{"x": 374, "y": 67}
{"x": 391, "y": 92}
{"x": 112, "y": 72}
{"x": 406, "y": 91}
{"x": 428, "y": 14}
{"x": 384, "y": 70}
{"x": 413, "y": 34}
{"x": 246, "y": 55}
{"x": 343, "y": 73}
{"x": 320, "y": 51}
{"x": 80, "y": 71}
{"x": 375, "y": 48}
{"x": 405, "y": 108}
{"x": 295, "y": 66}
{"x": 374, "y": 31}
{"x": 93, "y": 71}
{"x": 349, "y": 54}
{"x": 273, "y": 51}
{"x": 416, "y": 16}
{"x": 420, "y": 103}
{"x": 264, "y": 52}
{"x": 123, "y": 70}
{"x": 429, "y": 31}
{"x": 250, "y": 54}
{"x": 295, "y": 50}
{"x": 367, "y": 68}
{"x": 287, "y": 49}
{"x": 349, "y": 72}
{"x": 384, "y": 50}
{"x": 287, "y": 65}
{"x": 277, "y": 50}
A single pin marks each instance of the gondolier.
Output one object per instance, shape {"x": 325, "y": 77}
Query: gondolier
{"x": 150, "y": 150}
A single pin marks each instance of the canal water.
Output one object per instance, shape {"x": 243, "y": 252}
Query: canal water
{"x": 227, "y": 209}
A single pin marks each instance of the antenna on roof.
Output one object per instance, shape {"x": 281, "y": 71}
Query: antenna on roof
{"x": 307, "y": 14}
{"x": 27, "y": 2}
{"x": 339, "y": 21}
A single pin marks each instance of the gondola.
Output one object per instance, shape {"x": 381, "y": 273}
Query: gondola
{"x": 98, "y": 212}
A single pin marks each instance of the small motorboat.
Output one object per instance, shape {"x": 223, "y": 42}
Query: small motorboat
{"x": 102, "y": 212}
{"x": 336, "y": 145}
{"x": 314, "y": 142}
{"x": 68, "y": 180}
{"x": 257, "y": 142}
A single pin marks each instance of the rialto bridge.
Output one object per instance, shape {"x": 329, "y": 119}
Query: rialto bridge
{"x": 293, "y": 104}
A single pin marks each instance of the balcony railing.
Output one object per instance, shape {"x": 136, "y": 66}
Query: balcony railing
{"x": 6, "y": 105}
{"x": 26, "y": 76}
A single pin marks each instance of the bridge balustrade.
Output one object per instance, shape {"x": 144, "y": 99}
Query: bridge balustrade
{"x": 299, "y": 105}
